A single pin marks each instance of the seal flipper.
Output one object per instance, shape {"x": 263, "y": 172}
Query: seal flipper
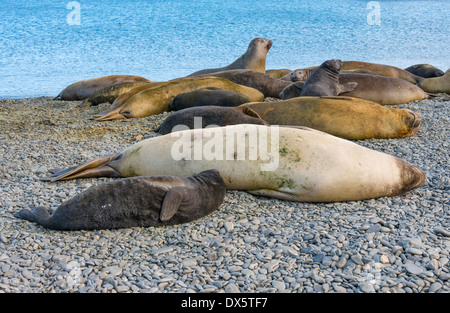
{"x": 96, "y": 168}
{"x": 346, "y": 87}
{"x": 39, "y": 215}
{"x": 171, "y": 203}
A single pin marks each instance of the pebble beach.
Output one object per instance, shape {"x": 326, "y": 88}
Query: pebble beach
{"x": 250, "y": 245}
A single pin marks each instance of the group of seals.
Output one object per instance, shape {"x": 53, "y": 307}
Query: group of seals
{"x": 369, "y": 86}
{"x": 306, "y": 164}
{"x": 298, "y": 164}
{"x": 135, "y": 202}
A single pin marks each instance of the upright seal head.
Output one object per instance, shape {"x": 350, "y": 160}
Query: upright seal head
{"x": 253, "y": 59}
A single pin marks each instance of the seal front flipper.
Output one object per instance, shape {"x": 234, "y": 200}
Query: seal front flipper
{"x": 171, "y": 203}
{"x": 95, "y": 168}
{"x": 274, "y": 194}
{"x": 346, "y": 87}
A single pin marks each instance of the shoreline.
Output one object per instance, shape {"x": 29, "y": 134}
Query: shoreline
{"x": 251, "y": 244}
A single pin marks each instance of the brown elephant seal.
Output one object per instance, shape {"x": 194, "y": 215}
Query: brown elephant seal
{"x": 110, "y": 93}
{"x": 86, "y": 88}
{"x": 425, "y": 70}
{"x": 266, "y": 84}
{"x": 377, "y": 88}
{"x": 156, "y": 100}
{"x": 325, "y": 81}
{"x": 345, "y": 117}
{"x": 208, "y": 96}
{"x": 290, "y": 163}
{"x": 279, "y": 73}
{"x": 254, "y": 58}
{"x": 209, "y": 116}
{"x": 437, "y": 84}
{"x": 136, "y": 202}
{"x": 382, "y": 69}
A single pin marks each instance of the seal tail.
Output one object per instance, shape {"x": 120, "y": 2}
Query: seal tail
{"x": 39, "y": 215}
{"x": 96, "y": 168}
{"x": 58, "y": 97}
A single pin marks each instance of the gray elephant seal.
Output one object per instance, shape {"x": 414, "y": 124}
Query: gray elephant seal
{"x": 372, "y": 87}
{"x": 325, "y": 81}
{"x": 208, "y": 96}
{"x": 202, "y": 117}
{"x": 425, "y": 70}
{"x": 254, "y": 58}
{"x": 136, "y": 202}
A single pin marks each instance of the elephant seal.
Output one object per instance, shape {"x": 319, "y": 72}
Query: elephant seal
{"x": 280, "y": 73}
{"x": 325, "y": 81}
{"x": 86, "y": 88}
{"x": 437, "y": 84}
{"x": 136, "y": 202}
{"x": 156, "y": 100}
{"x": 382, "y": 69}
{"x": 110, "y": 93}
{"x": 377, "y": 88}
{"x": 254, "y": 58}
{"x": 208, "y": 96}
{"x": 209, "y": 116}
{"x": 345, "y": 117}
{"x": 266, "y": 84}
{"x": 290, "y": 163}
{"x": 425, "y": 70}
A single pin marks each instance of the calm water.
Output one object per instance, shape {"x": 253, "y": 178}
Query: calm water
{"x": 41, "y": 52}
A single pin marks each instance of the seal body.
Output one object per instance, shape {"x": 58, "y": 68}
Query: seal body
{"x": 437, "y": 84}
{"x": 209, "y": 116}
{"x": 278, "y": 73}
{"x": 86, "y": 88}
{"x": 264, "y": 83}
{"x": 156, "y": 100}
{"x": 110, "y": 93}
{"x": 325, "y": 81}
{"x": 425, "y": 70}
{"x": 136, "y": 202}
{"x": 254, "y": 58}
{"x": 208, "y": 96}
{"x": 372, "y": 87}
{"x": 344, "y": 117}
{"x": 291, "y": 163}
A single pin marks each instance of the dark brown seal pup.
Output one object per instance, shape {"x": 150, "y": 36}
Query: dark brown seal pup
{"x": 254, "y": 58}
{"x": 425, "y": 70}
{"x": 202, "y": 117}
{"x": 325, "y": 81}
{"x": 208, "y": 96}
{"x": 136, "y": 202}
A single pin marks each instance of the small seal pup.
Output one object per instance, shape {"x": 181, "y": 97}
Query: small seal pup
{"x": 208, "y": 116}
{"x": 254, "y": 58}
{"x": 208, "y": 96}
{"x": 156, "y": 100}
{"x": 84, "y": 89}
{"x": 136, "y": 202}
{"x": 325, "y": 81}
{"x": 425, "y": 70}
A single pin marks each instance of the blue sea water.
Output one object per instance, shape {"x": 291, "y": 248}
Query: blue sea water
{"x": 42, "y": 49}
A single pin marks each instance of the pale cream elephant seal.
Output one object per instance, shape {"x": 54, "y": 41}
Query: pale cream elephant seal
{"x": 290, "y": 163}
